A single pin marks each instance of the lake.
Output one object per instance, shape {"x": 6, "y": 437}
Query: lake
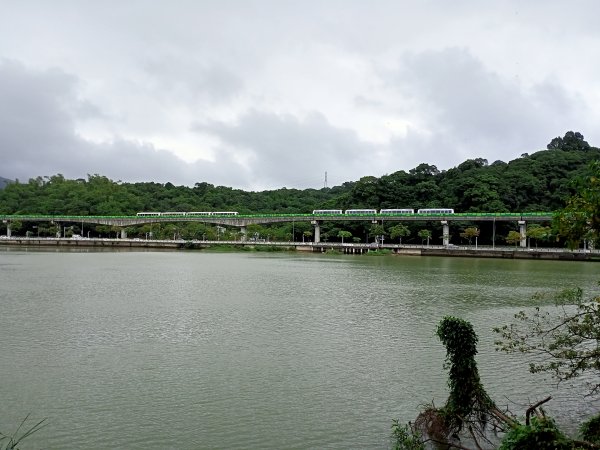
{"x": 187, "y": 350}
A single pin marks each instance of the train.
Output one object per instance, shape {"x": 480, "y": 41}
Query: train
{"x": 187, "y": 213}
{"x": 383, "y": 212}
{"x": 316, "y": 212}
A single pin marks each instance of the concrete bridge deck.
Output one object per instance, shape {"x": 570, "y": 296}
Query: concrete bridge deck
{"x": 242, "y": 221}
{"x": 245, "y": 220}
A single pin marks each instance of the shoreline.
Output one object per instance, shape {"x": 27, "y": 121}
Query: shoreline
{"x": 321, "y": 247}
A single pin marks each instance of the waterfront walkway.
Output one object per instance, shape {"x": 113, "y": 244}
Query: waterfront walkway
{"x": 480, "y": 251}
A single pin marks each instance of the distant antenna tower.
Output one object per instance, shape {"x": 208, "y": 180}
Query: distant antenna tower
{"x": 325, "y": 183}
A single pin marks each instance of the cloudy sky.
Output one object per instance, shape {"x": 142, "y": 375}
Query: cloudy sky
{"x": 262, "y": 94}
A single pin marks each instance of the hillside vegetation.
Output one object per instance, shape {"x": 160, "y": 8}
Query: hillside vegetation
{"x": 541, "y": 181}
{"x": 537, "y": 182}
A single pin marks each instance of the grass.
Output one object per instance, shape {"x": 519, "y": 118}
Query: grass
{"x": 10, "y": 442}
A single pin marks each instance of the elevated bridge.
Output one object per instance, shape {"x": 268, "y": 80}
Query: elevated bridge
{"x": 243, "y": 220}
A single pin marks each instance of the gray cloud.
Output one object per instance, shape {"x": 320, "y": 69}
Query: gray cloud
{"x": 37, "y": 134}
{"x": 182, "y": 79}
{"x": 472, "y": 111}
{"x": 284, "y": 150}
{"x": 264, "y": 93}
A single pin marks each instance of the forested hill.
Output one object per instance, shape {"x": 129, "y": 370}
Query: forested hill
{"x": 538, "y": 182}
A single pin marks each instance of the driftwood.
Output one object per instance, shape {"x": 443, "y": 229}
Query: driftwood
{"x": 533, "y": 409}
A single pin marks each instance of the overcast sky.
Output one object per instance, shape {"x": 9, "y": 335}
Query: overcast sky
{"x": 265, "y": 94}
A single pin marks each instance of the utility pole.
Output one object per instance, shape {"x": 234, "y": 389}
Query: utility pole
{"x": 325, "y": 183}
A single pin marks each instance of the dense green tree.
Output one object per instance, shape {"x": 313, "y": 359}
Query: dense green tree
{"x": 425, "y": 235}
{"x": 364, "y": 193}
{"x": 344, "y": 234}
{"x": 470, "y": 233}
{"x": 538, "y": 233}
{"x": 580, "y": 219}
{"x": 399, "y": 231}
{"x": 570, "y": 142}
{"x": 378, "y": 231}
{"x": 565, "y": 340}
{"x": 513, "y": 237}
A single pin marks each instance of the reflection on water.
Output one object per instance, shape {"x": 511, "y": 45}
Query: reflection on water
{"x": 199, "y": 350}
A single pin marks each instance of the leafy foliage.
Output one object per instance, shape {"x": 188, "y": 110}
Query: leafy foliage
{"x": 541, "y": 434}
{"x": 468, "y": 409}
{"x": 513, "y": 237}
{"x": 580, "y": 219}
{"x": 590, "y": 429}
{"x": 344, "y": 235}
{"x": 538, "y": 233}
{"x": 469, "y": 233}
{"x": 405, "y": 438}
{"x": 468, "y": 399}
{"x": 565, "y": 339}
{"x": 425, "y": 235}
{"x": 399, "y": 231}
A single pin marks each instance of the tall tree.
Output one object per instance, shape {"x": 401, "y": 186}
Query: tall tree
{"x": 425, "y": 235}
{"x": 513, "y": 237}
{"x": 470, "y": 233}
{"x": 344, "y": 234}
{"x": 399, "y": 231}
{"x": 378, "y": 231}
{"x": 538, "y": 233}
{"x": 580, "y": 219}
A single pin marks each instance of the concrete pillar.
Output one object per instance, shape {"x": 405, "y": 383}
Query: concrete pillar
{"x": 446, "y": 233}
{"x": 123, "y": 233}
{"x": 317, "y": 233}
{"x": 523, "y": 233}
{"x": 58, "y": 230}
{"x": 8, "y": 230}
{"x": 244, "y": 232}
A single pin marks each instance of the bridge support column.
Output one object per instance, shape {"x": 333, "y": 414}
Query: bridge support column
{"x": 523, "y": 232}
{"x": 58, "y": 229}
{"x": 244, "y": 232}
{"x": 8, "y": 229}
{"x": 445, "y": 233}
{"x": 317, "y": 234}
{"x": 123, "y": 233}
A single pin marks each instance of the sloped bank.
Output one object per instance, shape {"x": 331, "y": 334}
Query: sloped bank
{"x": 546, "y": 254}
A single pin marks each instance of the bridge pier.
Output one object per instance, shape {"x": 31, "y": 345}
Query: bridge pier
{"x": 446, "y": 233}
{"x": 8, "y": 229}
{"x": 317, "y": 233}
{"x": 244, "y": 232}
{"x": 123, "y": 233}
{"x": 523, "y": 232}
